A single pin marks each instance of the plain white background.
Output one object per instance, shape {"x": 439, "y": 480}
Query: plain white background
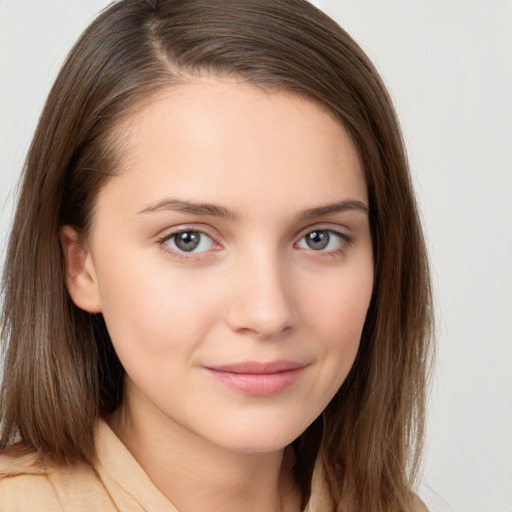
{"x": 448, "y": 65}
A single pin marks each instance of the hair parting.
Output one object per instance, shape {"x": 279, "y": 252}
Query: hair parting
{"x": 61, "y": 372}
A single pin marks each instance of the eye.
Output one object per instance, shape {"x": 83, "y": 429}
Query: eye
{"x": 322, "y": 240}
{"x": 189, "y": 241}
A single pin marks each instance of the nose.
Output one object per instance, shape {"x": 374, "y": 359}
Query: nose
{"x": 262, "y": 303}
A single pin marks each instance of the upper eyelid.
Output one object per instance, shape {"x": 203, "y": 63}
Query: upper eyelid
{"x": 176, "y": 230}
{"x": 207, "y": 230}
{"x": 168, "y": 234}
{"x": 334, "y": 228}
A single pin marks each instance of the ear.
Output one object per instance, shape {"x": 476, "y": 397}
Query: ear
{"x": 81, "y": 280}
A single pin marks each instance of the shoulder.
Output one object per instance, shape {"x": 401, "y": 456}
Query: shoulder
{"x": 30, "y": 482}
{"x": 24, "y": 482}
{"x": 19, "y": 460}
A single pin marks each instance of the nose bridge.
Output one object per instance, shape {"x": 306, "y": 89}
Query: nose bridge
{"x": 262, "y": 303}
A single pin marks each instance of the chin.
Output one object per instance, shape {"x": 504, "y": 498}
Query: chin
{"x": 266, "y": 439}
{"x": 258, "y": 446}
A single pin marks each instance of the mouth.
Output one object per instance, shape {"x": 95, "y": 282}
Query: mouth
{"x": 258, "y": 378}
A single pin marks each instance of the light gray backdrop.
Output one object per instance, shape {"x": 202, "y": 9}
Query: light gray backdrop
{"x": 448, "y": 64}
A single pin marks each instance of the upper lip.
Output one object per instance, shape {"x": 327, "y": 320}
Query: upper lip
{"x": 259, "y": 368}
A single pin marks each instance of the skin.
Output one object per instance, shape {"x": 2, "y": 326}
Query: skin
{"x": 253, "y": 290}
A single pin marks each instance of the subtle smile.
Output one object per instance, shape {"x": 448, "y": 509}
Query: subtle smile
{"x": 256, "y": 378}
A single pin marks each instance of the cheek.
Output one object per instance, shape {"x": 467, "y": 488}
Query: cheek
{"x": 343, "y": 300}
{"x": 339, "y": 312}
{"x": 150, "y": 311}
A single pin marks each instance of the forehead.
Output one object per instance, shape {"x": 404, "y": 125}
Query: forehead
{"x": 210, "y": 138}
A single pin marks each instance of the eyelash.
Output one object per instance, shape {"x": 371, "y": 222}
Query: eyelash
{"x": 345, "y": 242}
{"x": 183, "y": 255}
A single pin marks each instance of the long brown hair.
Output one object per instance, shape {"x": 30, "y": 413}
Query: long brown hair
{"x": 61, "y": 372}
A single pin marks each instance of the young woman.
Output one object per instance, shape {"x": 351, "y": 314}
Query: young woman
{"x": 216, "y": 293}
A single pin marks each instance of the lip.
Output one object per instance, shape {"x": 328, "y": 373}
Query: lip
{"x": 258, "y": 378}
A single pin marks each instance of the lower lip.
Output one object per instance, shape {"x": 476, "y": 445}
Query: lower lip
{"x": 258, "y": 384}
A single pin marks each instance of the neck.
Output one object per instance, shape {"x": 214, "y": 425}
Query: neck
{"x": 198, "y": 476}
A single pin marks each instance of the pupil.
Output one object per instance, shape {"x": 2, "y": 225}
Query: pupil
{"x": 187, "y": 241}
{"x": 317, "y": 240}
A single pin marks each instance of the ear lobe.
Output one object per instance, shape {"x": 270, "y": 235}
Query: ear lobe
{"x": 81, "y": 280}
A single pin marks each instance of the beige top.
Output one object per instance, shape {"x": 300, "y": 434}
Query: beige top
{"x": 115, "y": 484}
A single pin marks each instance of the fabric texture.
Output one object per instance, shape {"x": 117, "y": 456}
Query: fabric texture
{"x": 116, "y": 483}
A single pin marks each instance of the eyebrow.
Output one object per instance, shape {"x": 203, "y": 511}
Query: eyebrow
{"x": 340, "y": 206}
{"x": 195, "y": 208}
{"x": 213, "y": 210}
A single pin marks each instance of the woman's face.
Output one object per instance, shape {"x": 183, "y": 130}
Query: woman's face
{"x": 232, "y": 260}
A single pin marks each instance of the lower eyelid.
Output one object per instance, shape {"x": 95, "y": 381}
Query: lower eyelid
{"x": 344, "y": 238}
{"x": 210, "y": 241}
